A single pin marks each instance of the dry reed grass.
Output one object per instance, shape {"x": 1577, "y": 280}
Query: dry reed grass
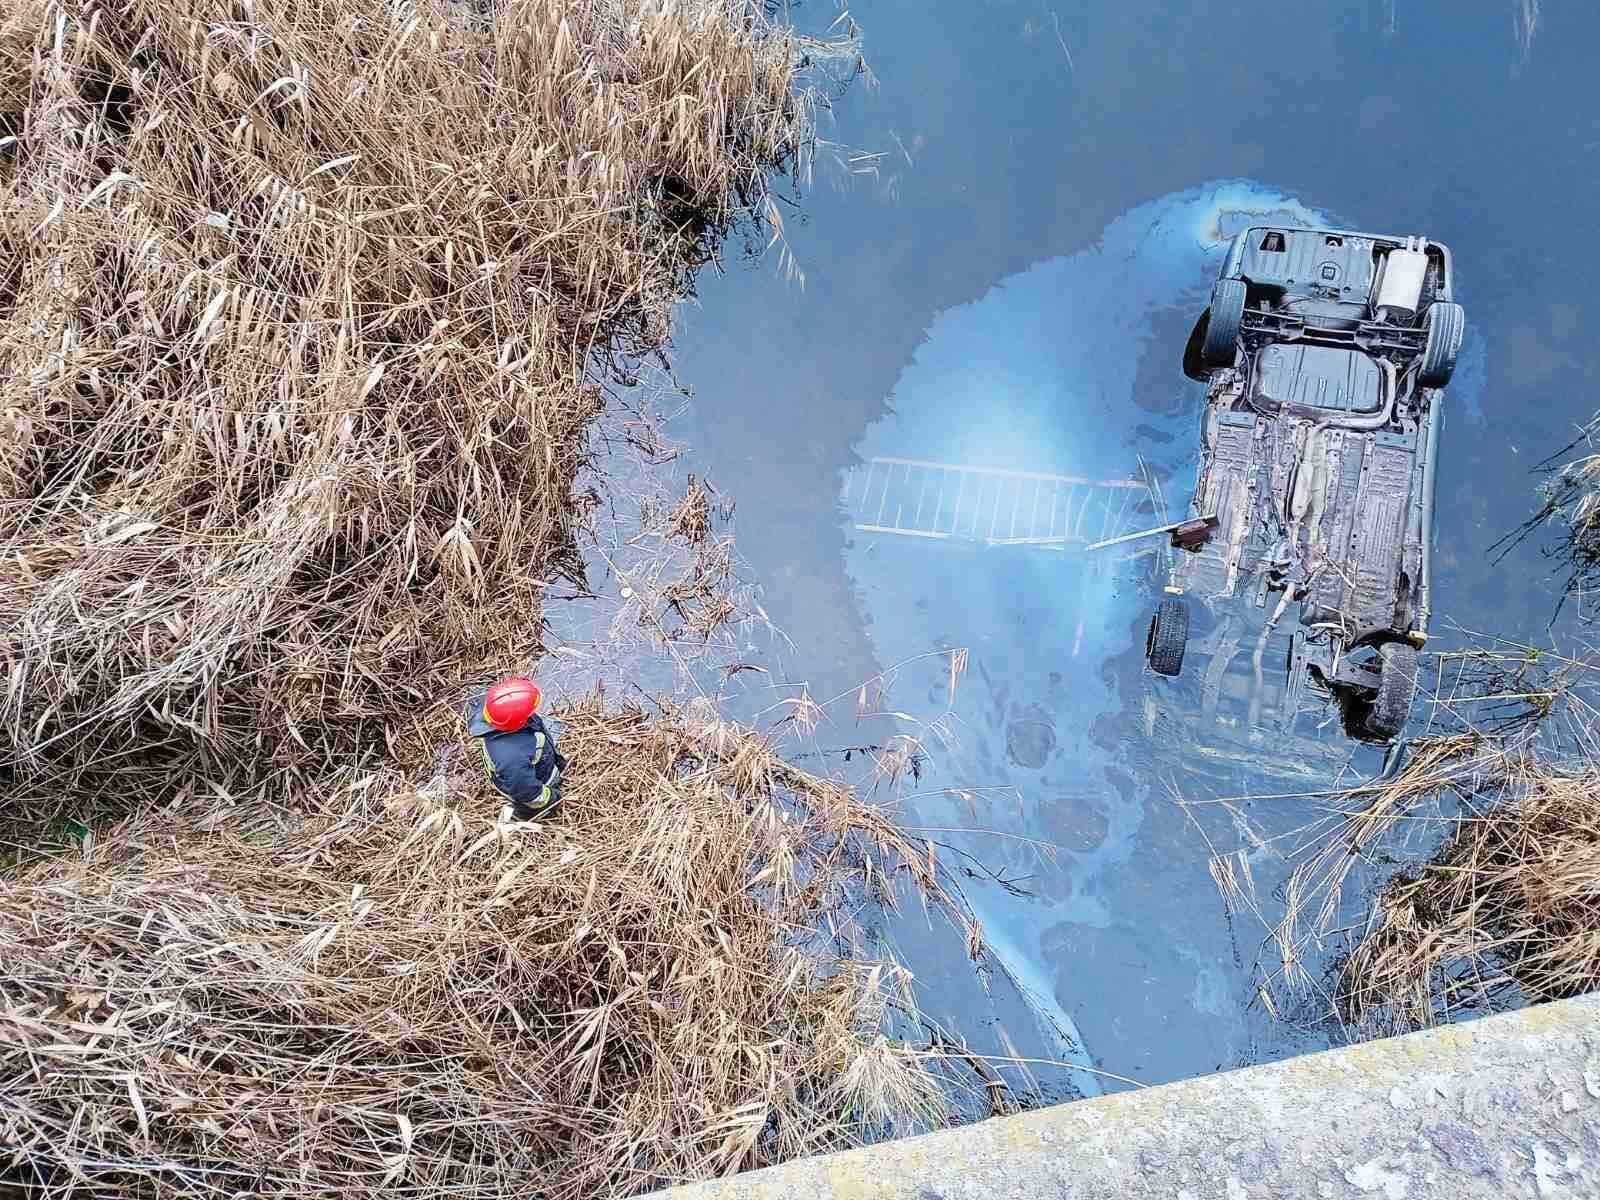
{"x": 1509, "y": 907}
{"x": 405, "y": 997}
{"x": 305, "y": 309}
{"x": 306, "y": 312}
{"x": 1571, "y": 498}
{"x": 1493, "y": 822}
{"x": 1574, "y": 496}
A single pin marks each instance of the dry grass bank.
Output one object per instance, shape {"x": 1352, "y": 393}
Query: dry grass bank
{"x": 1511, "y": 901}
{"x": 1467, "y": 880}
{"x": 306, "y": 312}
{"x": 305, "y": 309}
{"x": 401, "y": 998}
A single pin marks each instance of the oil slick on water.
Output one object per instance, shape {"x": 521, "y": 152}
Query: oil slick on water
{"x": 1072, "y": 368}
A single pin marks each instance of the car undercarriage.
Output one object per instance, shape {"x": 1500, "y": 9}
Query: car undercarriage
{"x": 1324, "y": 354}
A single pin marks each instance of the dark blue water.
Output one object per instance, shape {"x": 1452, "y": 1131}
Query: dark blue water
{"x": 1013, "y": 288}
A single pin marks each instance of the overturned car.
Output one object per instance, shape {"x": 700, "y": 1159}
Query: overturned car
{"x": 1324, "y": 353}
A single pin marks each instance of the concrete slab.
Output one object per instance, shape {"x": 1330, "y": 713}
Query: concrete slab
{"x": 1505, "y": 1106}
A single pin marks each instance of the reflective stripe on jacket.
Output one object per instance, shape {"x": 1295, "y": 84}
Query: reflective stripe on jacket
{"x": 524, "y": 765}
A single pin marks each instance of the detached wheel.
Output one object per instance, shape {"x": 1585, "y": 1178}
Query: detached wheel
{"x": 1445, "y": 323}
{"x": 1386, "y": 715}
{"x": 1222, "y": 330}
{"x": 1169, "y": 634}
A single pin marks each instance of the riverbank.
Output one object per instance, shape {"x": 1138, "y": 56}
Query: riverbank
{"x": 307, "y": 314}
{"x": 656, "y": 985}
{"x": 306, "y": 319}
{"x": 1508, "y": 909}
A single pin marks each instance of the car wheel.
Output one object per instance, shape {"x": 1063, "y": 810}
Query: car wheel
{"x": 1194, "y": 363}
{"x": 1397, "y": 684}
{"x": 1169, "y": 634}
{"x": 1222, "y": 331}
{"x": 1445, "y": 323}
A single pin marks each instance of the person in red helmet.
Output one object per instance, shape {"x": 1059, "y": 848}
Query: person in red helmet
{"x": 519, "y": 752}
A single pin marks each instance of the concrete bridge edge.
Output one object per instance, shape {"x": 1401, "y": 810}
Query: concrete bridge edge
{"x": 1508, "y": 1105}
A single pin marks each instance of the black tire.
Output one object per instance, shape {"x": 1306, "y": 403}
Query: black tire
{"x": 1194, "y": 363}
{"x": 1169, "y": 634}
{"x": 1386, "y": 715}
{"x": 1222, "y": 331}
{"x": 1445, "y": 323}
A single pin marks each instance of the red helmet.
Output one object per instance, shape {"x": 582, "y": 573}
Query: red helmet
{"x": 511, "y": 702}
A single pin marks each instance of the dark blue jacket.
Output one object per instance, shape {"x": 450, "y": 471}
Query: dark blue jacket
{"x": 523, "y": 765}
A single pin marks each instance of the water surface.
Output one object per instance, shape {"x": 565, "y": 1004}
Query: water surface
{"x": 1013, "y": 289}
